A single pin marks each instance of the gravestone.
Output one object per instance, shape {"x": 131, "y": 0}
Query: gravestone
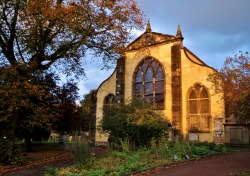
{"x": 193, "y": 137}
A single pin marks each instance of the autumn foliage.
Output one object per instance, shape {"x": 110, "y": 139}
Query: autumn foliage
{"x": 35, "y": 34}
{"x": 233, "y": 79}
{"x": 41, "y": 35}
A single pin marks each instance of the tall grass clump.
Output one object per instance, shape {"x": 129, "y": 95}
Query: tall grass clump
{"x": 125, "y": 145}
{"x": 171, "y": 150}
{"x": 81, "y": 150}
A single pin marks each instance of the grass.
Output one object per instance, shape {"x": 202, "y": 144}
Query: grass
{"x": 245, "y": 173}
{"x": 43, "y": 146}
{"x": 237, "y": 147}
{"x": 44, "y": 151}
{"x": 122, "y": 163}
{"x": 40, "y": 151}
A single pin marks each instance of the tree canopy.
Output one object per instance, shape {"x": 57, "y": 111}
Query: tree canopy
{"x": 36, "y": 34}
{"x": 233, "y": 79}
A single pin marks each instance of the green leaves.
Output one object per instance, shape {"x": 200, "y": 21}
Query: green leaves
{"x": 136, "y": 122}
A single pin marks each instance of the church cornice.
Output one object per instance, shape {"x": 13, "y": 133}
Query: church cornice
{"x": 149, "y": 38}
{"x": 138, "y": 47}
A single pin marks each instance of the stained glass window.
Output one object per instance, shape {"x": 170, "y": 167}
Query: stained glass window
{"x": 149, "y": 82}
{"x": 139, "y": 89}
{"x": 149, "y": 75}
{"x": 159, "y": 74}
{"x": 139, "y": 76}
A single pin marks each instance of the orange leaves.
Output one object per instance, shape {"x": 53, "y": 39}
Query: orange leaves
{"x": 49, "y": 10}
{"x": 236, "y": 79}
{"x": 106, "y": 3}
{"x": 134, "y": 6}
{"x": 51, "y": 30}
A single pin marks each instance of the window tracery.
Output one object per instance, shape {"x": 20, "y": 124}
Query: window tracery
{"x": 149, "y": 82}
{"x": 109, "y": 100}
{"x": 199, "y": 117}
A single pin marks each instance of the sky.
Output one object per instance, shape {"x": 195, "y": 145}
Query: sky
{"x": 212, "y": 30}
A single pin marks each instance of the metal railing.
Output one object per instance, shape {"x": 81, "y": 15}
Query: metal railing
{"x": 199, "y": 122}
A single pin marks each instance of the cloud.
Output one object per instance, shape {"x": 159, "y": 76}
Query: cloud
{"x": 212, "y": 29}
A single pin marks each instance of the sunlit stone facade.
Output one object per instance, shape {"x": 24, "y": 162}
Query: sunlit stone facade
{"x": 157, "y": 67}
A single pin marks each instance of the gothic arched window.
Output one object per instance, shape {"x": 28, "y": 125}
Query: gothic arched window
{"x": 149, "y": 82}
{"x": 109, "y": 100}
{"x": 199, "y": 117}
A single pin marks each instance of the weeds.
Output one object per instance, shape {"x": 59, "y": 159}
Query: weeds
{"x": 245, "y": 173}
{"x": 128, "y": 161}
{"x": 50, "y": 171}
{"x": 125, "y": 145}
{"x": 81, "y": 151}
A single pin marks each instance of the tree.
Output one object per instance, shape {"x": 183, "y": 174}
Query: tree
{"x": 25, "y": 105}
{"x": 86, "y": 110}
{"x": 68, "y": 118}
{"x": 233, "y": 79}
{"x": 45, "y": 106}
{"x": 136, "y": 122}
{"x": 37, "y": 35}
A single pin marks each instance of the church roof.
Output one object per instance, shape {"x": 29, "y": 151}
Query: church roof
{"x": 149, "y": 38}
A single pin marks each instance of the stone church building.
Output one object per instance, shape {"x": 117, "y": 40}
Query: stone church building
{"x": 158, "y": 68}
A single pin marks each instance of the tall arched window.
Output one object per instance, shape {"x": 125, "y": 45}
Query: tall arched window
{"x": 199, "y": 117}
{"x": 149, "y": 82}
{"x": 108, "y": 104}
{"x": 109, "y": 100}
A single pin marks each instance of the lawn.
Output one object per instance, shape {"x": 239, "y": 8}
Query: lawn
{"x": 42, "y": 152}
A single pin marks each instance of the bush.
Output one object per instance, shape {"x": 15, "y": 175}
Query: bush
{"x": 50, "y": 171}
{"x": 206, "y": 148}
{"x": 15, "y": 157}
{"x": 137, "y": 123}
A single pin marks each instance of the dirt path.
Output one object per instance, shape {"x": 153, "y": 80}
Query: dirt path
{"x": 40, "y": 168}
{"x": 218, "y": 165}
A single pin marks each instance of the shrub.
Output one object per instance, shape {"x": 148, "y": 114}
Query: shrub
{"x": 50, "y": 171}
{"x": 15, "y": 157}
{"x": 137, "y": 123}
